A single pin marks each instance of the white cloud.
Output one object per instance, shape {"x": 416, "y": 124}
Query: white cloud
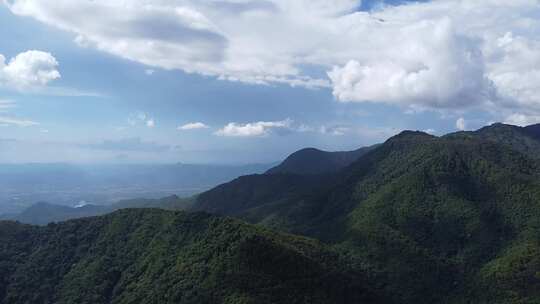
{"x": 193, "y": 126}
{"x": 151, "y": 123}
{"x": 444, "y": 54}
{"x": 461, "y": 124}
{"x": 255, "y": 129}
{"x": 28, "y": 69}
{"x": 149, "y": 72}
{"x": 431, "y": 65}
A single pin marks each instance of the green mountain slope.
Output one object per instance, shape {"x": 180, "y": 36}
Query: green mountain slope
{"x": 157, "y": 256}
{"x": 434, "y": 220}
{"x": 260, "y": 198}
{"x": 522, "y": 139}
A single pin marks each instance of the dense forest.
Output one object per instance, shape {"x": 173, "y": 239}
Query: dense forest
{"x": 158, "y": 256}
{"x": 417, "y": 219}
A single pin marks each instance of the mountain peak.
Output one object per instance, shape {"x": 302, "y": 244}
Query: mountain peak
{"x": 411, "y": 135}
{"x": 312, "y": 161}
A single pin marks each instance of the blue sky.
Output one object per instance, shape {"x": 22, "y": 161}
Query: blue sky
{"x": 115, "y": 101}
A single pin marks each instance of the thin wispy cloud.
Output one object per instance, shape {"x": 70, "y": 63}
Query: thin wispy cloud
{"x": 17, "y": 122}
{"x": 6, "y": 105}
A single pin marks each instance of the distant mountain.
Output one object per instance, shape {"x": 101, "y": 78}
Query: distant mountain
{"x": 44, "y": 213}
{"x": 313, "y": 161}
{"x": 453, "y": 219}
{"x": 157, "y": 256}
{"x": 66, "y": 184}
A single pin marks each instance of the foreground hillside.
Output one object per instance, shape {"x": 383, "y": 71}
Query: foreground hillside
{"x": 157, "y": 256}
{"x": 454, "y": 219}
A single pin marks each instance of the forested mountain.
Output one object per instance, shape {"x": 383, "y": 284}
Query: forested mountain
{"x": 523, "y": 139}
{"x": 533, "y": 130}
{"x": 157, "y": 256}
{"x": 454, "y": 219}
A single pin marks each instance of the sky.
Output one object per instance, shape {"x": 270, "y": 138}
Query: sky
{"x": 251, "y": 81}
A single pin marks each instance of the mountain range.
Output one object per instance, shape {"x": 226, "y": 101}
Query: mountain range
{"x": 416, "y": 219}
{"x": 451, "y": 219}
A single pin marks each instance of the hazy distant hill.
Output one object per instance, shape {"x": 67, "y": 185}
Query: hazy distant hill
{"x": 157, "y": 256}
{"x": 44, "y": 213}
{"x": 67, "y": 184}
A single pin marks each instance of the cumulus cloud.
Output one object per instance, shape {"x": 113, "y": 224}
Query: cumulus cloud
{"x": 28, "y": 69}
{"x": 461, "y": 124}
{"x": 444, "y": 54}
{"x": 433, "y": 66}
{"x": 193, "y": 126}
{"x": 255, "y": 129}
